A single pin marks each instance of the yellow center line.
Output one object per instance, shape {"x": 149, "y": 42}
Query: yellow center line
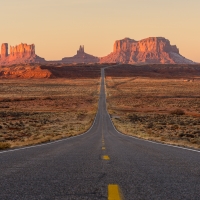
{"x": 114, "y": 192}
{"x": 105, "y": 157}
{"x": 103, "y": 148}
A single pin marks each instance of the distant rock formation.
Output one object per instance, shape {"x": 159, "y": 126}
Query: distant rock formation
{"x": 19, "y": 54}
{"x": 24, "y": 71}
{"x": 4, "y": 50}
{"x": 153, "y": 50}
{"x": 150, "y": 50}
{"x": 81, "y": 57}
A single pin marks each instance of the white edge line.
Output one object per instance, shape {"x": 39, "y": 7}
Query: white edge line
{"x": 158, "y": 143}
{"x": 49, "y": 143}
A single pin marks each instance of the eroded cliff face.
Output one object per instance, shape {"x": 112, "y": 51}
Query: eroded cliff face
{"x": 22, "y": 50}
{"x": 19, "y": 54}
{"x": 150, "y": 50}
{"x": 4, "y": 50}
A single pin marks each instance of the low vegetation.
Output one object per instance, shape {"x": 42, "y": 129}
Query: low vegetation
{"x": 38, "y": 111}
{"x": 164, "y": 110}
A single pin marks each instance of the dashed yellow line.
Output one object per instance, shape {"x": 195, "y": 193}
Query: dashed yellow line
{"x": 105, "y": 157}
{"x": 114, "y": 192}
{"x": 103, "y": 148}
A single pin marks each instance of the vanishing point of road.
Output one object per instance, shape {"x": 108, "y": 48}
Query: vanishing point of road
{"x": 100, "y": 164}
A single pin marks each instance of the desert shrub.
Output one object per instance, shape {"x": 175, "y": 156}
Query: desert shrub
{"x": 150, "y": 125}
{"x": 181, "y": 135}
{"x": 3, "y": 114}
{"x": 197, "y": 132}
{"x": 81, "y": 115}
{"x": 4, "y": 145}
{"x": 189, "y": 135}
{"x": 194, "y": 140}
{"x": 133, "y": 117}
{"x": 174, "y": 127}
{"x": 186, "y": 135}
{"x": 177, "y": 112}
{"x": 1, "y": 127}
{"x": 159, "y": 127}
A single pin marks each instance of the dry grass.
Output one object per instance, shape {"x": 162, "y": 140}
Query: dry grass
{"x": 38, "y": 111}
{"x": 165, "y": 110}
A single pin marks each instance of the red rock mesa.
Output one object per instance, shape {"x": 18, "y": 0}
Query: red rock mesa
{"x": 150, "y": 50}
{"x": 22, "y": 53}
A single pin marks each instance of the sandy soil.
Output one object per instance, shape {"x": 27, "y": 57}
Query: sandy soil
{"x": 161, "y": 109}
{"x": 36, "y": 111}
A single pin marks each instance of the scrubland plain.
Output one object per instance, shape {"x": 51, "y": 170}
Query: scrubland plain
{"x": 153, "y": 106}
{"x": 36, "y": 111}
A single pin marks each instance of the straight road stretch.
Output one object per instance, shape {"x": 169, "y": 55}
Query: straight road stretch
{"x": 100, "y": 164}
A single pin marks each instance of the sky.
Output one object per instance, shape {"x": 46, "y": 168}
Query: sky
{"x": 59, "y": 27}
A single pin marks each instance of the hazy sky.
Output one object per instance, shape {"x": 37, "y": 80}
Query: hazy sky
{"x": 58, "y": 27}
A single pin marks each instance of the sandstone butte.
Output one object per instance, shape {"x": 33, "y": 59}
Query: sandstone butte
{"x": 149, "y": 50}
{"x": 81, "y": 57}
{"x": 19, "y": 54}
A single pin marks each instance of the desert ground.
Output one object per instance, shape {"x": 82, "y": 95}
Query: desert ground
{"x": 34, "y": 111}
{"x": 154, "y": 104}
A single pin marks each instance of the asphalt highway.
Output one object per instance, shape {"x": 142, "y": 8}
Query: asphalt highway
{"x": 100, "y": 164}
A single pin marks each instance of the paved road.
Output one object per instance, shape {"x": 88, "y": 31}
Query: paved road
{"x": 99, "y": 163}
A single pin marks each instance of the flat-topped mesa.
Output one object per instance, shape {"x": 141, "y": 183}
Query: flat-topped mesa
{"x": 22, "y": 53}
{"x": 159, "y": 44}
{"x": 4, "y": 50}
{"x": 22, "y": 50}
{"x": 149, "y": 50}
{"x": 156, "y": 44}
{"x": 123, "y": 45}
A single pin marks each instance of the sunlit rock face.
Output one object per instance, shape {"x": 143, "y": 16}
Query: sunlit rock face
{"x": 4, "y": 50}
{"x": 21, "y": 53}
{"x": 25, "y": 71}
{"x": 81, "y": 57}
{"x": 150, "y": 50}
{"x": 22, "y": 50}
